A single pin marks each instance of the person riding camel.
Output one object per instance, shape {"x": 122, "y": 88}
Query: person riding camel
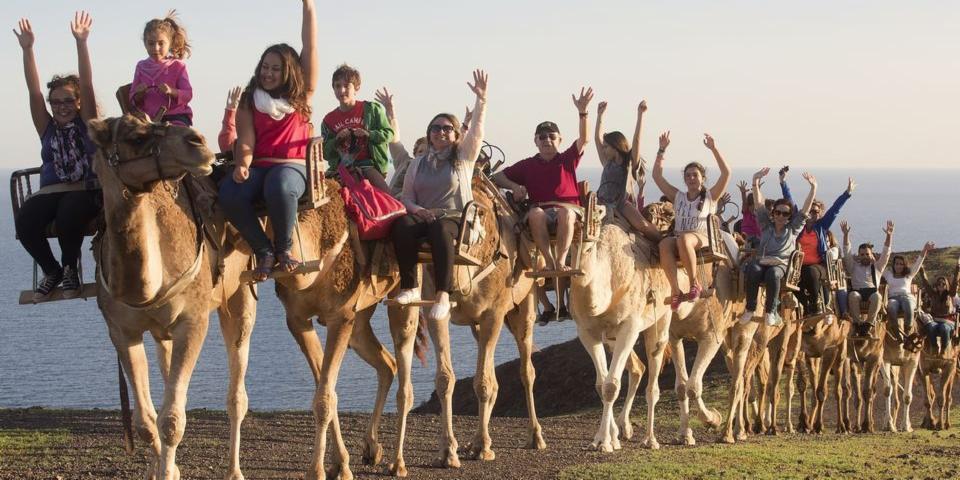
{"x": 864, "y": 270}
{"x": 899, "y": 277}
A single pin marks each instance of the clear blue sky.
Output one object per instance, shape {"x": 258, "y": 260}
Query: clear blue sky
{"x": 818, "y": 83}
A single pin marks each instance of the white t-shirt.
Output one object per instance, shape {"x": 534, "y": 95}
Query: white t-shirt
{"x": 688, "y": 217}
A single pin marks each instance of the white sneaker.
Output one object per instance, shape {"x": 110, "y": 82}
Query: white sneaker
{"x": 746, "y": 317}
{"x": 408, "y": 296}
{"x": 440, "y": 310}
{"x": 772, "y": 319}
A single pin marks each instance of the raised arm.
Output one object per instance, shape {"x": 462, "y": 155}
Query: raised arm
{"x": 473, "y": 140}
{"x": 831, "y": 214}
{"x": 582, "y": 103}
{"x": 785, "y": 188}
{"x": 845, "y": 247}
{"x": 813, "y": 192}
{"x": 956, "y": 278}
{"x": 598, "y": 132}
{"x": 665, "y": 187}
{"x": 38, "y": 107}
{"x": 742, "y": 186}
{"x": 757, "y": 194}
{"x": 918, "y": 262}
{"x": 308, "y": 56}
{"x": 721, "y": 185}
{"x": 635, "y": 147}
{"x": 881, "y": 262}
{"x": 80, "y": 26}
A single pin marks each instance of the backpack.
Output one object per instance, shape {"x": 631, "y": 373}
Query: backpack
{"x": 372, "y": 209}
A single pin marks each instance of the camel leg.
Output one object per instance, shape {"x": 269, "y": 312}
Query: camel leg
{"x": 908, "y": 372}
{"x": 706, "y": 350}
{"x": 778, "y": 354}
{"x": 764, "y": 371}
{"x": 858, "y": 394}
{"x": 627, "y": 335}
{"x": 870, "y": 391}
{"x": 403, "y": 328}
{"x": 790, "y": 372}
{"x": 655, "y": 342}
{"x": 188, "y": 335}
{"x": 368, "y": 347}
{"x": 445, "y": 379}
{"x": 685, "y": 435}
{"x": 889, "y": 393}
{"x": 485, "y": 386}
{"x": 739, "y": 351}
{"x": 930, "y": 397}
{"x": 133, "y": 357}
{"x": 164, "y": 352}
{"x": 594, "y": 347}
{"x": 236, "y": 329}
{"x": 339, "y": 332}
{"x": 821, "y": 391}
{"x": 948, "y": 394}
{"x": 635, "y": 370}
{"x": 520, "y": 322}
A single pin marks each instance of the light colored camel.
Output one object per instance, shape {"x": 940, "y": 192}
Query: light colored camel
{"x": 866, "y": 354}
{"x": 502, "y": 296}
{"x": 938, "y": 397}
{"x": 157, "y": 272}
{"x": 824, "y": 351}
{"x": 898, "y": 370}
{"x": 620, "y": 295}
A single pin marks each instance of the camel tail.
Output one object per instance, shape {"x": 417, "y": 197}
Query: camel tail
{"x": 421, "y": 346}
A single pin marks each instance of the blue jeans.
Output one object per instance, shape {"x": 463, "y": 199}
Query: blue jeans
{"x": 280, "y": 187}
{"x": 842, "y": 302}
{"x": 897, "y": 304}
{"x": 770, "y": 277}
{"x": 940, "y": 329}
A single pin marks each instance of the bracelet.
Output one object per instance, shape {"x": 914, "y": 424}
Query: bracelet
{"x": 583, "y": 114}
{"x": 661, "y": 151}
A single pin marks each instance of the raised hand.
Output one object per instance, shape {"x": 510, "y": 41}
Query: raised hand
{"x": 850, "y": 185}
{"x": 664, "y": 140}
{"x": 25, "y": 37}
{"x": 723, "y": 200}
{"x": 479, "y": 86}
{"x": 385, "y": 98}
{"x": 582, "y": 102}
{"x": 927, "y": 247}
{"x": 233, "y": 98}
{"x": 601, "y": 108}
{"x": 844, "y": 227}
{"x": 742, "y": 185}
{"x": 783, "y": 173}
{"x": 642, "y": 107}
{"x": 888, "y": 229}
{"x": 810, "y": 179}
{"x": 761, "y": 173}
{"x": 709, "y": 142}
{"x": 80, "y": 26}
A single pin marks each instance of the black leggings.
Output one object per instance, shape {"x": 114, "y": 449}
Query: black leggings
{"x": 811, "y": 286}
{"x": 70, "y": 213}
{"x": 408, "y": 232}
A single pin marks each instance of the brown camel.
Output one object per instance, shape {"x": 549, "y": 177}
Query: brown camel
{"x": 865, "y": 354}
{"x": 158, "y": 272}
{"x": 944, "y": 366}
{"x": 899, "y": 369}
{"x": 487, "y": 297}
{"x": 824, "y": 350}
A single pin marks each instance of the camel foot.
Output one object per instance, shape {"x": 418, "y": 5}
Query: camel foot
{"x": 946, "y": 424}
{"x": 447, "y": 459}
{"x": 234, "y": 475}
{"x": 372, "y": 453}
{"x": 686, "y": 438}
{"x": 867, "y": 428}
{"x": 713, "y": 419}
{"x": 480, "y": 453}
{"x": 626, "y": 429}
{"x": 818, "y": 427}
{"x": 908, "y": 428}
{"x": 615, "y": 442}
{"x": 773, "y": 431}
{"x": 891, "y": 427}
{"x": 728, "y": 438}
{"x": 651, "y": 443}
{"x": 604, "y": 447}
{"x": 928, "y": 424}
{"x": 790, "y": 428}
{"x": 339, "y": 472}
{"x": 398, "y": 469}
{"x": 742, "y": 436}
{"x": 536, "y": 441}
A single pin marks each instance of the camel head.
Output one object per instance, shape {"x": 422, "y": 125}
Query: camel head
{"x": 137, "y": 153}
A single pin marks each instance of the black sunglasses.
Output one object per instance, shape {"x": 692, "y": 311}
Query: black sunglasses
{"x": 783, "y": 213}
{"x": 547, "y": 136}
{"x": 441, "y": 128}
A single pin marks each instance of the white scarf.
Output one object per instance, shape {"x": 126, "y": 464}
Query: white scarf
{"x": 277, "y": 108}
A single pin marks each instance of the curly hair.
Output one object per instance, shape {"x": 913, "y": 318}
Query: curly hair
{"x": 346, "y": 73}
{"x": 62, "y": 81}
{"x": 179, "y": 46}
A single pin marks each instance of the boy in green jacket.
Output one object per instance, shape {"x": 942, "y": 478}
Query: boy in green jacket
{"x": 357, "y": 132}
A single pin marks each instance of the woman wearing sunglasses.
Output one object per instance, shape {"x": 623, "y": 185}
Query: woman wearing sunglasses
{"x": 778, "y": 241}
{"x": 66, "y": 197}
{"x": 436, "y": 187}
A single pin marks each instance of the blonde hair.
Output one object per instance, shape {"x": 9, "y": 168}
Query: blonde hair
{"x": 179, "y": 46}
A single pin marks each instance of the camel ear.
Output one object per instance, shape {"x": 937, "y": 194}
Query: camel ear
{"x": 99, "y": 131}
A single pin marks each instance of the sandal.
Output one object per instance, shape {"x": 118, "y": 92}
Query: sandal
{"x": 264, "y": 267}
{"x": 675, "y": 301}
{"x": 694, "y": 293}
{"x": 287, "y": 263}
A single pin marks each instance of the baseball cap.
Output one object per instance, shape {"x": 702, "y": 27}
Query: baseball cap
{"x": 546, "y": 127}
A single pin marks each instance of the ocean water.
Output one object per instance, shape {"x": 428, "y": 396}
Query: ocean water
{"x": 58, "y": 354}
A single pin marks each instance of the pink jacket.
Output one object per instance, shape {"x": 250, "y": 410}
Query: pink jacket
{"x": 153, "y": 75}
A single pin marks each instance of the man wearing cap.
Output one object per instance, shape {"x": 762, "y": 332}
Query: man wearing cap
{"x": 550, "y": 176}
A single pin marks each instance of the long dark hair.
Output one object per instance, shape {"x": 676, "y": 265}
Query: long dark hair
{"x": 292, "y": 87}
{"x": 893, "y": 266}
{"x": 703, "y": 188}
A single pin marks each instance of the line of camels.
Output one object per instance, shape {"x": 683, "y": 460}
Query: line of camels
{"x": 166, "y": 259}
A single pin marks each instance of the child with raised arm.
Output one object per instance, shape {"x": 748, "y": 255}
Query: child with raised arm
{"x": 402, "y": 157}
{"x": 356, "y": 132}
{"x": 228, "y": 126}
{"x": 161, "y": 85}
{"x": 622, "y": 165}
{"x": 692, "y": 207}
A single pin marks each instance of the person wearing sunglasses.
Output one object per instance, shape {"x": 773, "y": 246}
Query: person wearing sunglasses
{"x": 865, "y": 269}
{"x": 778, "y": 240}
{"x": 814, "y": 244}
{"x": 692, "y": 206}
{"x": 436, "y": 187}
{"x": 67, "y": 197}
{"x": 551, "y": 176}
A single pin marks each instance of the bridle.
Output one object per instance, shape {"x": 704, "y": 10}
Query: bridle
{"x": 115, "y": 161}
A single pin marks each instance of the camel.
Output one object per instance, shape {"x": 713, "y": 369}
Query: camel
{"x": 865, "y": 354}
{"x": 898, "y": 370}
{"x": 485, "y": 305}
{"x": 824, "y": 350}
{"x": 943, "y": 365}
{"x": 620, "y": 295}
{"x": 166, "y": 283}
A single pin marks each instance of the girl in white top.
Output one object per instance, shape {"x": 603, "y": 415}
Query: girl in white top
{"x": 692, "y": 208}
{"x": 899, "y": 298}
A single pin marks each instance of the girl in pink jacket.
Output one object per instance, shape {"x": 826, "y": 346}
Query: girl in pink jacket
{"x": 161, "y": 87}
